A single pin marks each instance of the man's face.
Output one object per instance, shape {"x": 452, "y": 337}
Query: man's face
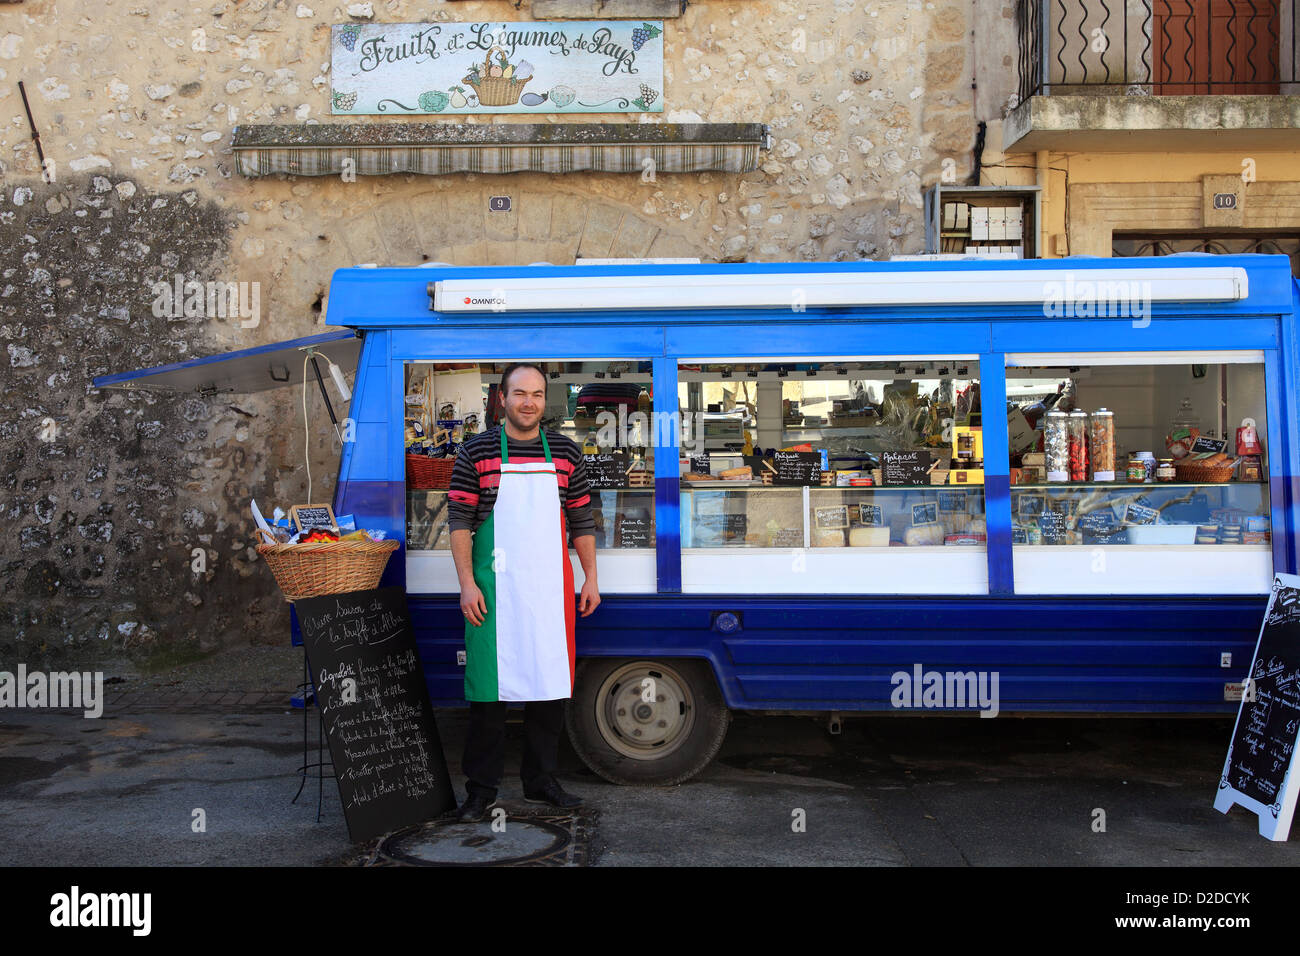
{"x": 525, "y": 398}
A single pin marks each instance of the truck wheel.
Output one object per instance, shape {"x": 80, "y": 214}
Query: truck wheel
{"x": 640, "y": 722}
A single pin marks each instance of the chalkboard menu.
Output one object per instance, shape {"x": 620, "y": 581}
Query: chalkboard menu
{"x": 787, "y": 538}
{"x": 870, "y": 515}
{"x": 797, "y": 468}
{"x": 1213, "y": 446}
{"x": 387, "y": 755}
{"x": 1052, "y": 524}
{"x": 607, "y": 470}
{"x": 1141, "y": 514}
{"x": 726, "y": 526}
{"x": 1102, "y": 527}
{"x": 902, "y": 468}
{"x": 635, "y": 531}
{"x": 700, "y": 464}
{"x": 1256, "y": 773}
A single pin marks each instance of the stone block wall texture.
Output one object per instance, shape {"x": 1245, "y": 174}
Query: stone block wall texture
{"x": 111, "y": 500}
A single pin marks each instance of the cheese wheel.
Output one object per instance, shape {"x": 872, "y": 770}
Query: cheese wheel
{"x": 827, "y": 538}
{"x": 924, "y": 535}
{"x": 869, "y": 537}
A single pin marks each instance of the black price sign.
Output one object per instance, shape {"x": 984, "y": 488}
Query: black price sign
{"x": 312, "y": 516}
{"x": 388, "y": 759}
{"x": 1101, "y": 527}
{"x": 634, "y": 532}
{"x": 1052, "y": 524}
{"x": 700, "y": 464}
{"x": 797, "y": 468}
{"x": 904, "y": 468}
{"x": 1210, "y": 446}
{"x": 927, "y": 513}
{"x": 952, "y": 502}
{"x": 870, "y": 516}
{"x": 729, "y": 526}
{"x": 1140, "y": 514}
{"x": 831, "y": 517}
{"x": 607, "y": 470}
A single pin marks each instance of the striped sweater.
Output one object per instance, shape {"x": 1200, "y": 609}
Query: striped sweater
{"x": 474, "y": 480}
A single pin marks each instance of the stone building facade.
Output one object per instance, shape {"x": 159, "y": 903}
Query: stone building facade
{"x": 127, "y": 513}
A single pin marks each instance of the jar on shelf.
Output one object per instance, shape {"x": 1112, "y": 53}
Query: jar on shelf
{"x": 1149, "y": 463}
{"x": 1137, "y": 471}
{"x": 1077, "y": 445}
{"x": 1056, "y": 445}
{"x": 1165, "y": 470}
{"x": 1101, "y": 444}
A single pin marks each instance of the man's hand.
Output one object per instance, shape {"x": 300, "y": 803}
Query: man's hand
{"x": 589, "y": 599}
{"x": 472, "y": 604}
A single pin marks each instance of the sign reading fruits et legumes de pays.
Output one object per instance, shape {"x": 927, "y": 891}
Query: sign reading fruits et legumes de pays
{"x": 571, "y": 66}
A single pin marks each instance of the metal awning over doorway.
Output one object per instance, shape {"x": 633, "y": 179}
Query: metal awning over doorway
{"x": 436, "y": 149}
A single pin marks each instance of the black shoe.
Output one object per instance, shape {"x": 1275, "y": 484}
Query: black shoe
{"x": 475, "y": 808}
{"x": 553, "y": 794}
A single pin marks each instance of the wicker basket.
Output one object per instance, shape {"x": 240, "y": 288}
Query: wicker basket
{"x": 326, "y": 567}
{"x": 496, "y": 90}
{"x": 424, "y": 473}
{"x": 1199, "y": 473}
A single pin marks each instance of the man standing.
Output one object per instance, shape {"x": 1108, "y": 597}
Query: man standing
{"x": 511, "y": 490}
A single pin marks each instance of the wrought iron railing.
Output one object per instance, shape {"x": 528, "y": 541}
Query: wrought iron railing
{"x": 1157, "y": 47}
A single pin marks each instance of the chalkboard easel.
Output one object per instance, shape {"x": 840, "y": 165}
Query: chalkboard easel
{"x": 1258, "y": 771}
{"x": 388, "y": 758}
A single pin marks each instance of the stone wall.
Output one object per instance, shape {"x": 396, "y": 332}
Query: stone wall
{"x": 108, "y": 495}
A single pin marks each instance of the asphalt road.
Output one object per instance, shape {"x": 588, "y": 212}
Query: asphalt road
{"x": 895, "y": 791}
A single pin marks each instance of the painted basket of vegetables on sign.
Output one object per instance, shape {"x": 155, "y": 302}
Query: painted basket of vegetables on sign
{"x": 583, "y": 66}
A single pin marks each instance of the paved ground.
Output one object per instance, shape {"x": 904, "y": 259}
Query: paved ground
{"x": 124, "y": 789}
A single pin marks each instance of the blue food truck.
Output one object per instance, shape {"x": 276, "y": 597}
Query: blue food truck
{"x": 913, "y": 487}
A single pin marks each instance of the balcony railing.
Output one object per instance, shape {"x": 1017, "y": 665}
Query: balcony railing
{"x": 1157, "y": 47}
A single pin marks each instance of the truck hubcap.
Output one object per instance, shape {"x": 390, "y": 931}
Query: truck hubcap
{"x": 645, "y": 710}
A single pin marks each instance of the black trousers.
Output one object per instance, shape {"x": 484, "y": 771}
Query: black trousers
{"x": 485, "y": 745}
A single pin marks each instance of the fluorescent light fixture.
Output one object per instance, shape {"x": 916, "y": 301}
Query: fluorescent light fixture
{"x": 781, "y": 290}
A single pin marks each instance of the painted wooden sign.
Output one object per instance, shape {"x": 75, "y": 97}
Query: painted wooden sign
{"x": 570, "y": 66}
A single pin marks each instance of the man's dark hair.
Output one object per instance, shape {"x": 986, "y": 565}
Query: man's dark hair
{"x": 505, "y": 376}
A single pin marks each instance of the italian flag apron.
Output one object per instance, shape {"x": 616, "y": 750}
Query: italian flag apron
{"x": 524, "y": 648}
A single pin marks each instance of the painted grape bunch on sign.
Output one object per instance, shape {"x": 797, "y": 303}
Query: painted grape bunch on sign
{"x": 646, "y": 31}
{"x": 344, "y": 101}
{"x": 348, "y": 36}
{"x": 647, "y": 97}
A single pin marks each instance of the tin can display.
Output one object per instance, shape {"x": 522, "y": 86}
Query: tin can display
{"x": 1149, "y": 462}
{"x": 1077, "y": 445}
{"x": 1137, "y": 471}
{"x": 1101, "y": 444}
{"x": 1056, "y": 448}
{"x": 1165, "y": 470}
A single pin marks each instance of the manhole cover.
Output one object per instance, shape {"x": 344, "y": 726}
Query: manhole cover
{"x": 518, "y": 839}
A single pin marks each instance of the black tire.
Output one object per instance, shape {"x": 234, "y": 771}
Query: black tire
{"x": 689, "y": 711}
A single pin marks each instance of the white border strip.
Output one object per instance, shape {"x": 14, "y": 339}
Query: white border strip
{"x": 798, "y": 290}
{"x": 1066, "y": 359}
